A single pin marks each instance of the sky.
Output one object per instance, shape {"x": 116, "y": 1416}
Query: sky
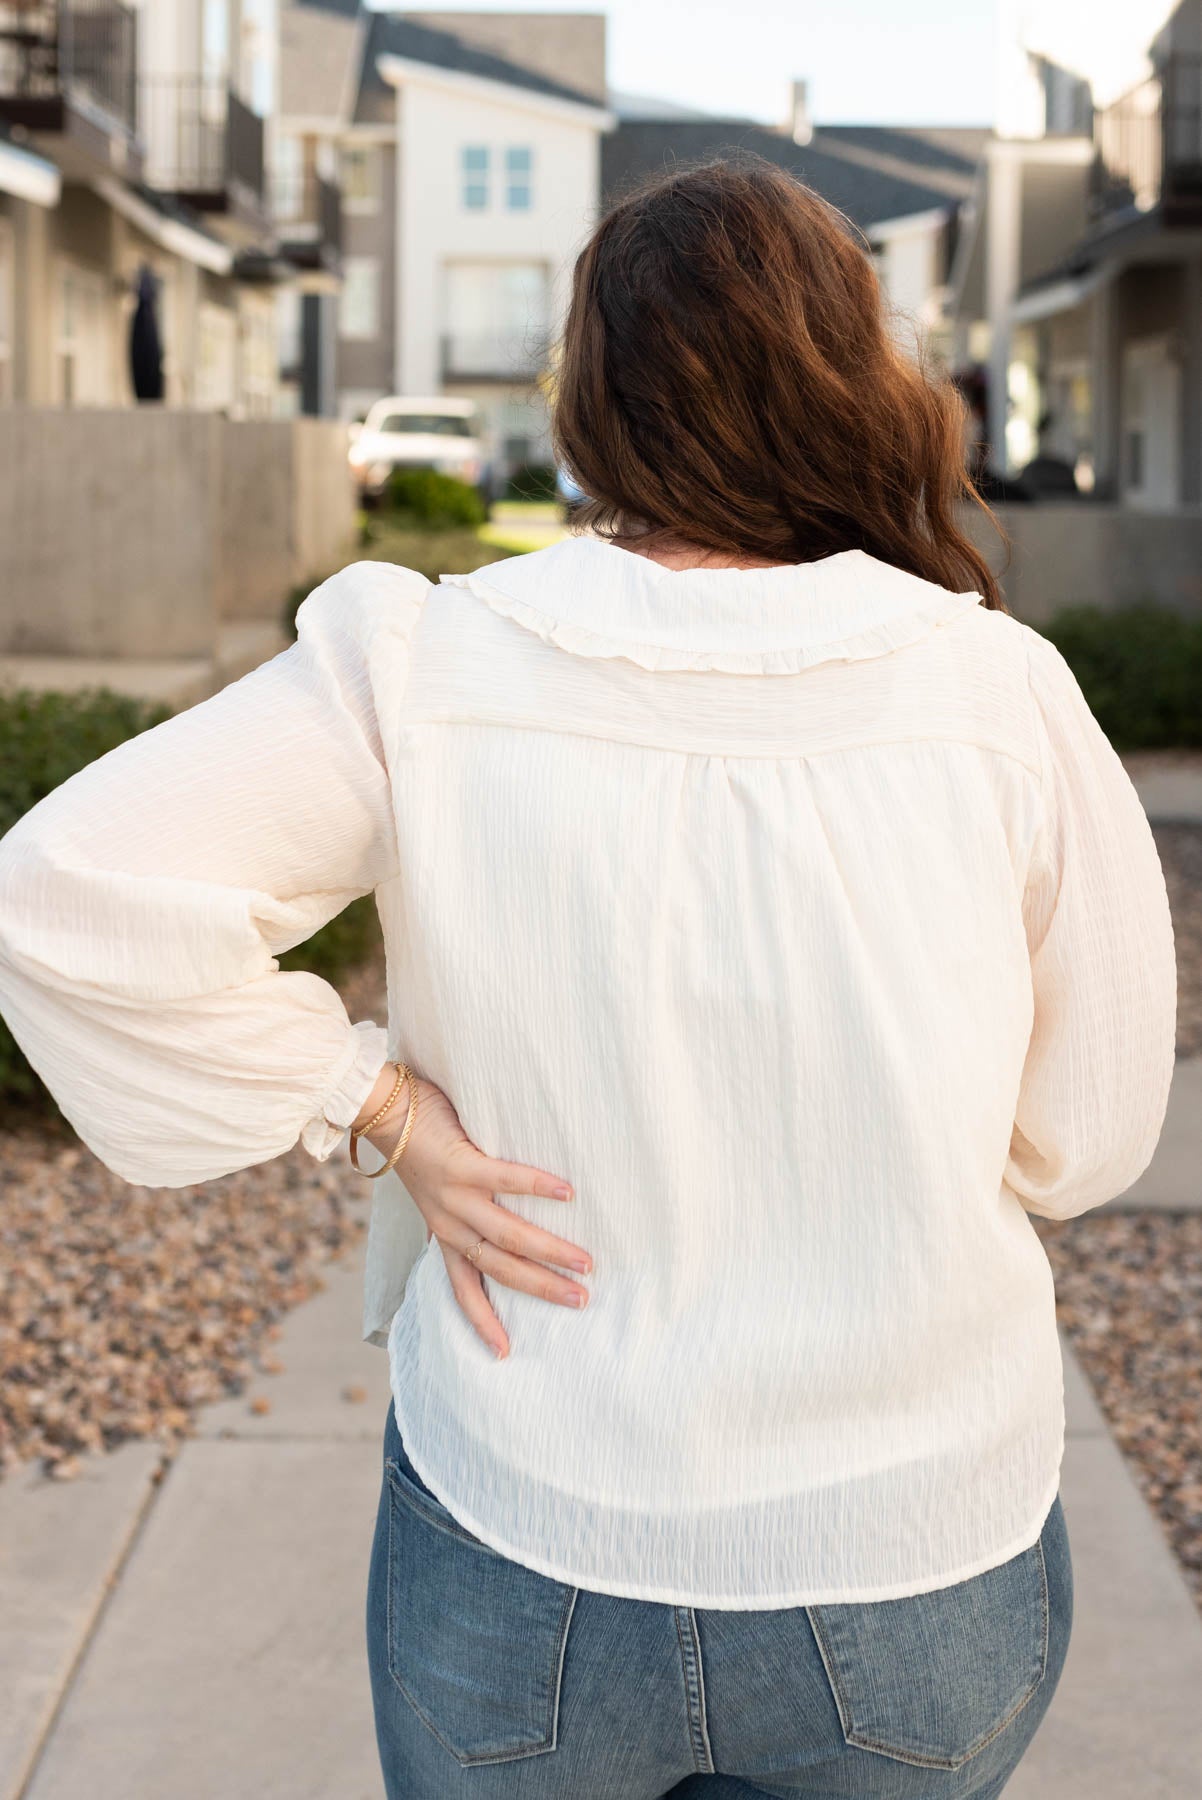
{"x": 881, "y": 62}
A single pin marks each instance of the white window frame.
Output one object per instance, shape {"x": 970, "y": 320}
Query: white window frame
{"x": 95, "y": 387}
{"x": 368, "y": 269}
{"x": 519, "y": 180}
{"x": 367, "y": 201}
{"x": 216, "y": 377}
{"x": 474, "y": 176}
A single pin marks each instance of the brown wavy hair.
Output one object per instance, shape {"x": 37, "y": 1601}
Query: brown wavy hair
{"x": 728, "y": 379}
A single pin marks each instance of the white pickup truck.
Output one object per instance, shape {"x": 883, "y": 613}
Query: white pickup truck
{"x": 443, "y": 433}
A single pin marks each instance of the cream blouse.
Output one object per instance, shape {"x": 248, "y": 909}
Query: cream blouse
{"x": 803, "y": 917}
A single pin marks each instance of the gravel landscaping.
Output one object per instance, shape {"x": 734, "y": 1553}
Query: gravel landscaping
{"x": 1129, "y": 1296}
{"x": 1180, "y": 848}
{"x": 123, "y": 1308}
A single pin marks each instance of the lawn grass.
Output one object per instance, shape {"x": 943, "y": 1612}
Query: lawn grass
{"x": 516, "y": 527}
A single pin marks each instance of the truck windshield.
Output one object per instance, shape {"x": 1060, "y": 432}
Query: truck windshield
{"x": 428, "y": 424}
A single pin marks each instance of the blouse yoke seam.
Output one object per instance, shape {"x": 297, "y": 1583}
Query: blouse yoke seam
{"x": 596, "y": 737}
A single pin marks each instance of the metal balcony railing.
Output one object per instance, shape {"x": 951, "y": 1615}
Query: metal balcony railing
{"x": 203, "y": 143}
{"x": 494, "y": 356}
{"x": 82, "y": 52}
{"x": 1148, "y": 142}
{"x": 306, "y": 207}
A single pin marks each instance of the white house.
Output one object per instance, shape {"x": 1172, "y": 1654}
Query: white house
{"x": 498, "y": 185}
{"x": 468, "y": 153}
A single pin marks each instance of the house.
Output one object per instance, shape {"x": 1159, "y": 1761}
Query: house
{"x": 1080, "y": 280}
{"x": 469, "y": 152}
{"x": 904, "y": 188}
{"x": 133, "y": 146}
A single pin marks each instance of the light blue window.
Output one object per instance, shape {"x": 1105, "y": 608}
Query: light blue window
{"x": 519, "y": 171}
{"x": 474, "y": 169}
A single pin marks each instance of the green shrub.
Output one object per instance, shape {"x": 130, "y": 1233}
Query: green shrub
{"x": 45, "y": 739}
{"x": 342, "y": 944}
{"x": 533, "y": 481}
{"x": 1140, "y": 668}
{"x": 424, "y": 497}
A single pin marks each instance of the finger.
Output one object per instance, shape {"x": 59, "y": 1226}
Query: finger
{"x": 517, "y": 1236}
{"x": 515, "y": 1272}
{"x": 468, "y": 1289}
{"x": 519, "y": 1178}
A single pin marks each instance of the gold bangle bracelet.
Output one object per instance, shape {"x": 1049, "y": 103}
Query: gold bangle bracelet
{"x": 399, "y": 1146}
{"x": 376, "y": 1117}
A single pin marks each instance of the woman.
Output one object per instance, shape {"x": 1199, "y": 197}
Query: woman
{"x": 771, "y": 929}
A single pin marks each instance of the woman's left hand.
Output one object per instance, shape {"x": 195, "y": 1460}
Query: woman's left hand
{"x": 454, "y": 1187}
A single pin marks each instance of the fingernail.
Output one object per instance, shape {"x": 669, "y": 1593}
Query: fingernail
{"x": 580, "y": 1262}
{"x": 502, "y": 1351}
{"x": 562, "y": 1192}
{"x": 577, "y": 1299}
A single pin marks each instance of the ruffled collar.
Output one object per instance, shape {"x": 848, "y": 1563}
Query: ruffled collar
{"x": 591, "y": 598}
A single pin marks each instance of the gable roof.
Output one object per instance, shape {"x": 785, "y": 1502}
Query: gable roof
{"x": 390, "y": 34}
{"x": 317, "y": 40}
{"x": 872, "y": 173}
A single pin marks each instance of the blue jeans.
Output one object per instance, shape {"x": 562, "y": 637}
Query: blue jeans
{"x": 491, "y": 1680}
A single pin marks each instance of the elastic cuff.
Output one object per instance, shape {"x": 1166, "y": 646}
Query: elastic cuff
{"x": 366, "y": 1055}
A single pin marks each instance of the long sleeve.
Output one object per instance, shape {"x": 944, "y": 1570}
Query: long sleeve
{"x": 144, "y": 904}
{"x": 1096, "y": 1080}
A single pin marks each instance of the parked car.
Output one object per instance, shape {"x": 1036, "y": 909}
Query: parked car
{"x": 443, "y": 433}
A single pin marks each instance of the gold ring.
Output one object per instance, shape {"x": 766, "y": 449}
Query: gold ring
{"x": 474, "y": 1251}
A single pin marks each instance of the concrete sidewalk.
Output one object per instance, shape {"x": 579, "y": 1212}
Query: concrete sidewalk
{"x": 203, "y": 1639}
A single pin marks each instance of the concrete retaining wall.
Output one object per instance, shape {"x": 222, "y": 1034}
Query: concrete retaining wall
{"x": 1070, "y": 554}
{"x": 138, "y": 533}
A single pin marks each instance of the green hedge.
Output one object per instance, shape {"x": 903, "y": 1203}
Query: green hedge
{"x": 1140, "y": 668}
{"x": 533, "y": 481}
{"x": 45, "y": 739}
{"x": 424, "y": 497}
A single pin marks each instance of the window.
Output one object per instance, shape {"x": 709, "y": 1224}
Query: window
{"x": 361, "y": 178}
{"x": 360, "y": 311}
{"x": 497, "y": 318}
{"x": 217, "y": 357}
{"x": 256, "y": 356}
{"x": 288, "y": 178}
{"x": 519, "y": 166}
{"x": 81, "y": 364}
{"x": 474, "y": 162}
{"x": 428, "y": 424}
{"x": 7, "y": 272}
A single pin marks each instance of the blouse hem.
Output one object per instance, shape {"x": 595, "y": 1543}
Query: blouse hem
{"x": 636, "y": 1590}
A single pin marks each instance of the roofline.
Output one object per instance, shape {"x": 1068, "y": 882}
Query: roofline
{"x": 397, "y": 71}
{"x": 931, "y": 217}
{"x": 333, "y": 126}
{"x": 356, "y": 62}
{"x": 181, "y": 240}
{"x": 27, "y": 176}
{"x": 1072, "y": 150}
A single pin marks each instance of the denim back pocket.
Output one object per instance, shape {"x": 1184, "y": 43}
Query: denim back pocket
{"x": 475, "y": 1642}
{"x": 933, "y": 1678}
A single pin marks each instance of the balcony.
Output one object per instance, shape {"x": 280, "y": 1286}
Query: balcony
{"x": 68, "y": 72}
{"x": 494, "y": 356}
{"x": 204, "y": 147}
{"x": 1148, "y": 145}
{"x": 306, "y": 212}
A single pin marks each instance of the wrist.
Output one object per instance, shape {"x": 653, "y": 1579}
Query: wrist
{"x": 385, "y": 1082}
